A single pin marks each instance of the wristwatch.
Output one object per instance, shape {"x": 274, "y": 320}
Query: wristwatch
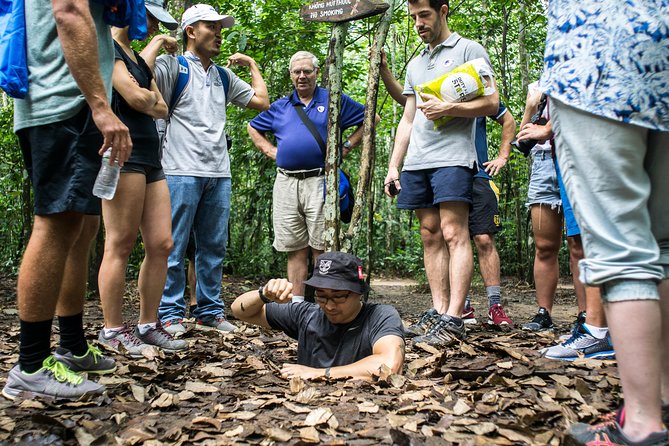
{"x": 347, "y": 144}
{"x": 264, "y": 298}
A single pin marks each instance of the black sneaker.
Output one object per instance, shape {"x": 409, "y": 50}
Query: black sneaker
{"x": 420, "y": 328}
{"x": 542, "y": 321}
{"x": 576, "y": 328}
{"x": 446, "y": 331}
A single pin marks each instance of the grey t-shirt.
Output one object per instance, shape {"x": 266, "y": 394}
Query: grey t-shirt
{"x": 194, "y": 142}
{"x": 321, "y": 343}
{"x": 454, "y": 143}
{"x": 53, "y": 94}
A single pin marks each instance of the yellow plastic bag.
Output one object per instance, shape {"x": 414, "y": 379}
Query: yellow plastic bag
{"x": 461, "y": 84}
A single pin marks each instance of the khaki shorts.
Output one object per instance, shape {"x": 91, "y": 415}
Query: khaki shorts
{"x": 297, "y": 209}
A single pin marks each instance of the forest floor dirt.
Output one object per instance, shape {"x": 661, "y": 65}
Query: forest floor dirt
{"x": 493, "y": 388}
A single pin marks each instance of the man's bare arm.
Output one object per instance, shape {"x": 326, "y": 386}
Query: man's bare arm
{"x": 388, "y": 351}
{"x": 401, "y": 145}
{"x": 76, "y": 31}
{"x": 393, "y": 86}
{"x": 250, "y": 308}
{"x": 261, "y": 142}
{"x": 260, "y": 101}
{"x": 493, "y": 167}
{"x": 434, "y": 108}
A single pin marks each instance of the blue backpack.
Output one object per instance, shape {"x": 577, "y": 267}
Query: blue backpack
{"x": 13, "y": 51}
{"x": 184, "y": 77}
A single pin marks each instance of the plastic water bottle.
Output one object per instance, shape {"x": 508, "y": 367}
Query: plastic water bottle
{"x": 107, "y": 179}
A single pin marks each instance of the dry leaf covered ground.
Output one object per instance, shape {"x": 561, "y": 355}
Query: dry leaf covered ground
{"x": 491, "y": 389}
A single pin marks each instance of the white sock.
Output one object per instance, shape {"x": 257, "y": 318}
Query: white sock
{"x": 110, "y": 331}
{"x": 598, "y": 332}
{"x": 297, "y": 299}
{"x": 143, "y": 328}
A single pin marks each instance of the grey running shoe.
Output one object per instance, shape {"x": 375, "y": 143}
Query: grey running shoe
{"x": 161, "y": 339}
{"x": 542, "y": 321}
{"x": 174, "y": 327}
{"x": 581, "y": 345}
{"x": 53, "y": 380}
{"x": 219, "y": 323}
{"x": 446, "y": 331}
{"x": 580, "y": 320}
{"x": 426, "y": 321}
{"x": 124, "y": 341}
{"x": 92, "y": 362}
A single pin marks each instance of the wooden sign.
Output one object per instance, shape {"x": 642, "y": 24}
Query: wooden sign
{"x": 336, "y": 11}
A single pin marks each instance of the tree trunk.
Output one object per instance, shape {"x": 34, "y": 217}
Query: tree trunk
{"x": 369, "y": 125}
{"x": 334, "y": 69}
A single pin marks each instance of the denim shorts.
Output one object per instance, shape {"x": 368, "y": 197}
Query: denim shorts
{"x": 616, "y": 176}
{"x": 543, "y": 188}
{"x": 422, "y": 189}
{"x": 62, "y": 161}
{"x": 151, "y": 173}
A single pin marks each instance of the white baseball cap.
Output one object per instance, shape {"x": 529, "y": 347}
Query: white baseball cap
{"x": 207, "y": 13}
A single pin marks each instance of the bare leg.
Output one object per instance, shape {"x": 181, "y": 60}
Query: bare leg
{"x": 122, "y": 217}
{"x": 594, "y": 307}
{"x": 454, "y": 226}
{"x": 635, "y": 327}
{"x": 435, "y": 256}
{"x": 488, "y": 259}
{"x": 297, "y": 269}
{"x": 664, "y": 305}
{"x": 75, "y": 277}
{"x": 43, "y": 265}
{"x": 156, "y": 227}
{"x": 575, "y": 254}
{"x": 547, "y": 229}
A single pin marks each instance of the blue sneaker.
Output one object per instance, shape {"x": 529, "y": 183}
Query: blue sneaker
{"x": 582, "y": 344}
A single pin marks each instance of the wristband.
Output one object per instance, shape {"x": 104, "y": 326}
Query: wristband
{"x": 264, "y": 298}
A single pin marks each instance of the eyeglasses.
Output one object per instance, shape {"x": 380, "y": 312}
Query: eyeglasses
{"x": 305, "y": 72}
{"x": 336, "y": 299}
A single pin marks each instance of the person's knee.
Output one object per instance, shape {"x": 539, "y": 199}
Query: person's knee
{"x": 575, "y": 248}
{"x": 89, "y": 228}
{"x": 485, "y": 244}
{"x": 160, "y": 248}
{"x": 62, "y": 229}
{"x": 430, "y": 234}
{"x": 454, "y": 234}
{"x": 546, "y": 251}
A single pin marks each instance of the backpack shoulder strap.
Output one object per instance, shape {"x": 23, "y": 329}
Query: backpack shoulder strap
{"x": 182, "y": 82}
{"x": 225, "y": 78}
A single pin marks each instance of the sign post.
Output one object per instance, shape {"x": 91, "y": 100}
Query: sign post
{"x": 339, "y": 12}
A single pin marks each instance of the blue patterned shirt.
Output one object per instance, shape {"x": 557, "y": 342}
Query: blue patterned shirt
{"x": 610, "y": 58}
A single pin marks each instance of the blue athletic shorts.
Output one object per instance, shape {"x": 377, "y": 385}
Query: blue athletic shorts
{"x": 427, "y": 188}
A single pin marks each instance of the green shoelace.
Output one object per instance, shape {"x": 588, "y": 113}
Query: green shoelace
{"x": 61, "y": 372}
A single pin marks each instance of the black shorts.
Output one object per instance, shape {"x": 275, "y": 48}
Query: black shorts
{"x": 484, "y": 214}
{"x": 62, "y": 162}
{"x": 151, "y": 173}
{"x": 422, "y": 189}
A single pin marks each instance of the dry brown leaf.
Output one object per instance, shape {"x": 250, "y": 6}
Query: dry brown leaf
{"x": 561, "y": 379}
{"x": 310, "y": 435}
{"x": 461, "y": 407}
{"x": 234, "y": 432}
{"x": 278, "y": 434}
{"x": 295, "y": 408}
{"x": 185, "y": 395}
{"x": 241, "y": 415}
{"x": 318, "y": 416}
{"x": 200, "y": 387}
{"x": 208, "y": 420}
{"x": 163, "y": 400}
{"x": 218, "y": 371}
{"x": 306, "y": 396}
{"x": 138, "y": 392}
{"x": 533, "y": 381}
{"x": 428, "y": 348}
{"x": 482, "y": 428}
{"x": 83, "y": 438}
{"x": 505, "y": 365}
{"x": 397, "y": 420}
{"x": 297, "y": 384}
{"x": 468, "y": 349}
{"x": 368, "y": 407}
{"x": 514, "y": 435}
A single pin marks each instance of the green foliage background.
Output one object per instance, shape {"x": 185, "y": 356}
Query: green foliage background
{"x": 271, "y": 31}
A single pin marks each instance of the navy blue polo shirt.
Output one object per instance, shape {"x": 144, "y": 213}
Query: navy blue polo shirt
{"x": 297, "y": 149}
{"x": 482, "y": 141}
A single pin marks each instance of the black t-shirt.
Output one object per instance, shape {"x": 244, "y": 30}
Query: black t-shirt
{"x": 321, "y": 343}
{"x": 145, "y": 141}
